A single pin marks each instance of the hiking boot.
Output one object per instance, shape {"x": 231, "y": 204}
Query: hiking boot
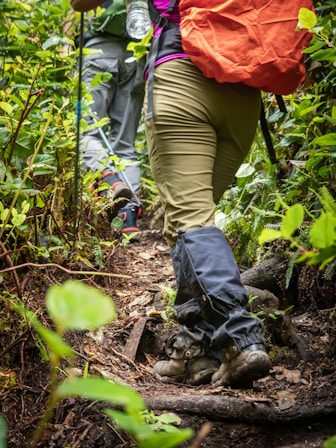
{"x": 241, "y": 369}
{"x": 194, "y": 371}
{"x": 188, "y": 363}
{"x": 129, "y": 215}
{"x": 119, "y": 193}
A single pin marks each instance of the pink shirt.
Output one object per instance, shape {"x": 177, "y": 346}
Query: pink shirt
{"x": 161, "y": 6}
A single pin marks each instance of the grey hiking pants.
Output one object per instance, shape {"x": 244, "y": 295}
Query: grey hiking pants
{"x": 120, "y": 99}
{"x": 200, "y": 134}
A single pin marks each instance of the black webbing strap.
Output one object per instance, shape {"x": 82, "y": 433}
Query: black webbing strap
{"x": 265, "y": 129}
{"x": 281, "y": 103}
{"x": 266, "y": 134}
{"x": 161, "y": 22}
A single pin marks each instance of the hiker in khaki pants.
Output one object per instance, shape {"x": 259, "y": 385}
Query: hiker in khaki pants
{"x": 199, "y": 132}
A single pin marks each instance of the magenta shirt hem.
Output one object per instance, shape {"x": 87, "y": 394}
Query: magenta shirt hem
{"x": 165, "y": 59}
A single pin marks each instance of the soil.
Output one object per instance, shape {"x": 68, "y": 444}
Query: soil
{"x": 295, "y": 406}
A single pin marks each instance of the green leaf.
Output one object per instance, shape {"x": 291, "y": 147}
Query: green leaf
{"x": 99, "y": 78}
{"x": 169, "y": 418}
{"x": 325, "y": 140}
{"x": 330, "y": 443}
{"x": 25, "y": 6}
{"x": 316, "y": 46}
{"x": 93, "y": 388}
{"x": 132, "y": 424}
{"x": 292, "y": 220}
{"x": 3, "y": 135}
{"x": 166, "y": 440}
{"x": 25, "y": 207}
{"x": 44, "y": 164}
{"x": 323, "y": 232}
{"x": 117, "y": 223}
{"x": 24, "y": 146}
{"x": 149, "y": 435}
{"x": 4, "y": 214}
{"x": 307, "y": 18}
{"x": 54, "y": 341}
{"x": 305, "y": 256}
{"x": 77, "y": 306}
{"x": 3, "y": 432}
{"x": 325, "y": 55}
{"x": 17, "y": 218}
{"x": 245, "y": 170}
{"x": 268, "y": 235}
{"x": 309, "y": 109}
{"x": 6, "y": 107}
{"x": 52, "y": 41}
{"x": 323, "y": 257}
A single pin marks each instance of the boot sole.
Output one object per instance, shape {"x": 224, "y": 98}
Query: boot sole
{"x": 168, "y": 379}
{"x": 121, "y": 197}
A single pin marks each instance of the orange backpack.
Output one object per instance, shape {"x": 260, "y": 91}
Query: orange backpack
{"x": 255, "y": 42}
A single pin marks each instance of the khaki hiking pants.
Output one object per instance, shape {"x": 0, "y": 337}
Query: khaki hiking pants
{"x": 200, "y": 133}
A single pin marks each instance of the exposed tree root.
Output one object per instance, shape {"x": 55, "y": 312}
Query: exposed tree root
{"x": 231, "y": 408}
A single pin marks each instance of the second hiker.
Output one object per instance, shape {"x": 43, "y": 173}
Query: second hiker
{"x": 120, "y": 100}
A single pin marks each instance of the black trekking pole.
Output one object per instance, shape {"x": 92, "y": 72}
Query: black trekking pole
{"x": 79, "y": 116}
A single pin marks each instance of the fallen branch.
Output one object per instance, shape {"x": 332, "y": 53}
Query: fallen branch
{"x": 230, "y": 408}
{"x": 68, "y": 271}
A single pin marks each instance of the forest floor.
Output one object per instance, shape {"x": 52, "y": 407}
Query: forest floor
{"x": 295, "y": 406}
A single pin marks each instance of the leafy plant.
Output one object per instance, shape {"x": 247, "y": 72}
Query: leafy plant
{"x": 321, "y": 233}
{"x": 3, "y": 432}
{"x": 330, "y": 443}
{"x": 76, "y": 306}
{"x": 304, "y": 140}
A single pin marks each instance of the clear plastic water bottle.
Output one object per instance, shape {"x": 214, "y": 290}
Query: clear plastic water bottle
{"x": 138, "y": 22}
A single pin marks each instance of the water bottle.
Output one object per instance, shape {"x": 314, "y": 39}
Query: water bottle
{"x": 138, "y": 23}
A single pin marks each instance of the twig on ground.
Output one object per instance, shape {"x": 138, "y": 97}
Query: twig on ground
{"x": 68, "y": 271}
{"x": 201, "y": 435}
{"x": 12, "y": 268}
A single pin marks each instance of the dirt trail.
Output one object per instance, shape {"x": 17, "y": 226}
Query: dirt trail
{"x": 295, "y": 406}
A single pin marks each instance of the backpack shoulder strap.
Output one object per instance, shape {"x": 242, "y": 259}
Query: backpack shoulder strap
{"x": 161, "y": 22}
{"x": 156, "y": 17}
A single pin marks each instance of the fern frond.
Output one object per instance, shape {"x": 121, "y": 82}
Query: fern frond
{"x": 330, "y": 271}
{"x": 290, "y": 268}
{"x": 327, "y": 200}
{"x": 99, "y": 256}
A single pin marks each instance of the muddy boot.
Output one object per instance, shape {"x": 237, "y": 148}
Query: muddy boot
{"x": 118, "y": 193}
{"x": 188, "y": 363}
{"x": 242, "y": 368}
